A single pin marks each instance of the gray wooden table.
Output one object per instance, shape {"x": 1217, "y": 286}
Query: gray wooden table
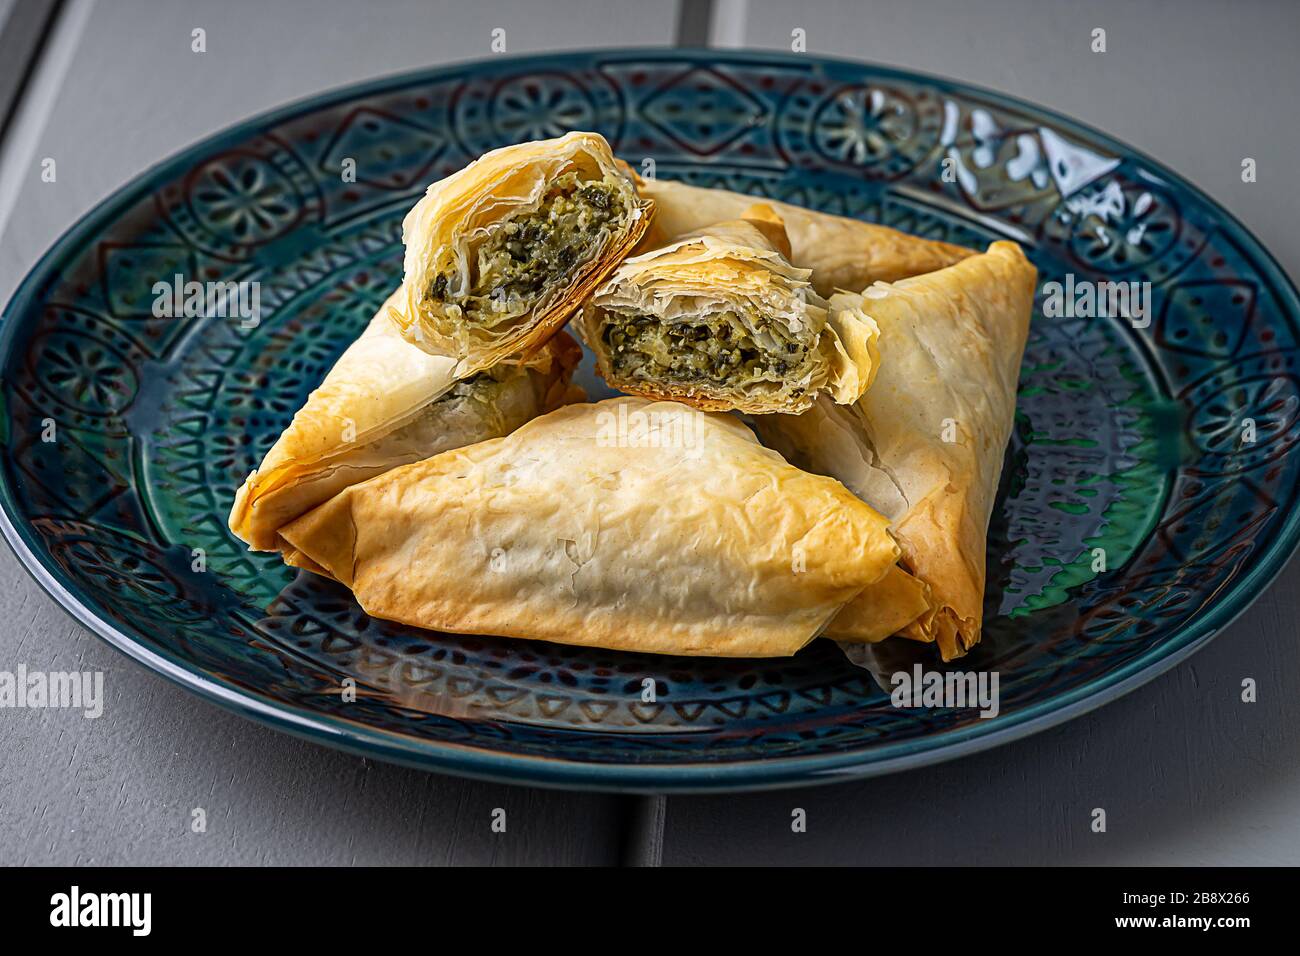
{"x": 1186, "y": 772}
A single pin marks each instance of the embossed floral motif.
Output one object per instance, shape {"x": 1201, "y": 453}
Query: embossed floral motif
{"x": 121, "y": 572}
{"x": 540, "y": 107}
{"x": 244, "y": 199}
{"x": 1248, "y": 414}
{"x": 863, "y": 126}
{"x": 86, "y": 374}
{"x": 1117, "y": 228}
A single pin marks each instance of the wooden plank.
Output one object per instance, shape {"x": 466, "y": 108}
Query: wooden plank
{"x": 123, "y": 91}
{"x": 135, "y": 92}
{"x": 22, "y": 29}
{"x": 1199, "y": 85}
{"x": 1187, "y": 772}
{"x": 694, "y": 18}
{"x": 122, "y": 789}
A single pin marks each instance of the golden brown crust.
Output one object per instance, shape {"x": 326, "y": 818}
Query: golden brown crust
{"x": 842, "y": 253}
{"x": 881, "y": 610}
{"x": 439, "y": 232}
{"x": 569, "y": 530}
{"x": 924, "y": 445}
{"x": 766, "y": 220}
{"x": 364, "y": 418}
{"x": 735, "y": 269}
{"x": 664, "y": 392}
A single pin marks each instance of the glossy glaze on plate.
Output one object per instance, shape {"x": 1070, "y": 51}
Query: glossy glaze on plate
{"x": 1126, "y": 439}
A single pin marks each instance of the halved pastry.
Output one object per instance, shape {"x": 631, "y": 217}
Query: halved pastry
{"x": 842, "y": 253}
{"x": 719, "y": 320}
{"x": 500, "y": 254}
{"x": 386, "y": 403}
{"x": 924, "y": 445}
{"x": 626, "y": 524}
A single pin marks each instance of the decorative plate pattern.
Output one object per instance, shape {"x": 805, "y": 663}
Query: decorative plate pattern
{"x": 126, "y": 434}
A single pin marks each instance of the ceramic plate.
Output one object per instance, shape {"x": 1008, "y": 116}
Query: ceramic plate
{"x": 1168, "y": 445}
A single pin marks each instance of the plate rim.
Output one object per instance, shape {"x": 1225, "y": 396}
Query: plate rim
{"x": 477, "y": 762}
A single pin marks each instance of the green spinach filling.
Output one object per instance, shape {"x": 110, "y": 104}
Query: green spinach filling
{"x": 722, "y": 352}
{"x": 514, "y": 264}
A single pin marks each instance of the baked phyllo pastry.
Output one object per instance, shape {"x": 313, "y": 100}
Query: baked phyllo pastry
{"x": 719, "y": 319}
{"x": 925, "y": 443}
{"x": 842, "y": 253}
{"x": 500, "y": 254}
{"x": 386, "y": 403}
{"x": 626, "y": 524}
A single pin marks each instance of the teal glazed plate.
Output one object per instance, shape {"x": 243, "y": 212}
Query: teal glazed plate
{"x": 1166, "y": 446}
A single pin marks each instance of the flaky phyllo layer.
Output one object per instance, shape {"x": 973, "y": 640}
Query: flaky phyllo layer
{"x": 842, "y": 253}
{"x": 500, "y": 254}
{"x": 513, "y": 264}
{"x": 386, "y": 403}
{"x": 561, "y": 531}
{"x": 721, "y": 320}
{"x": 924, "y": 444}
